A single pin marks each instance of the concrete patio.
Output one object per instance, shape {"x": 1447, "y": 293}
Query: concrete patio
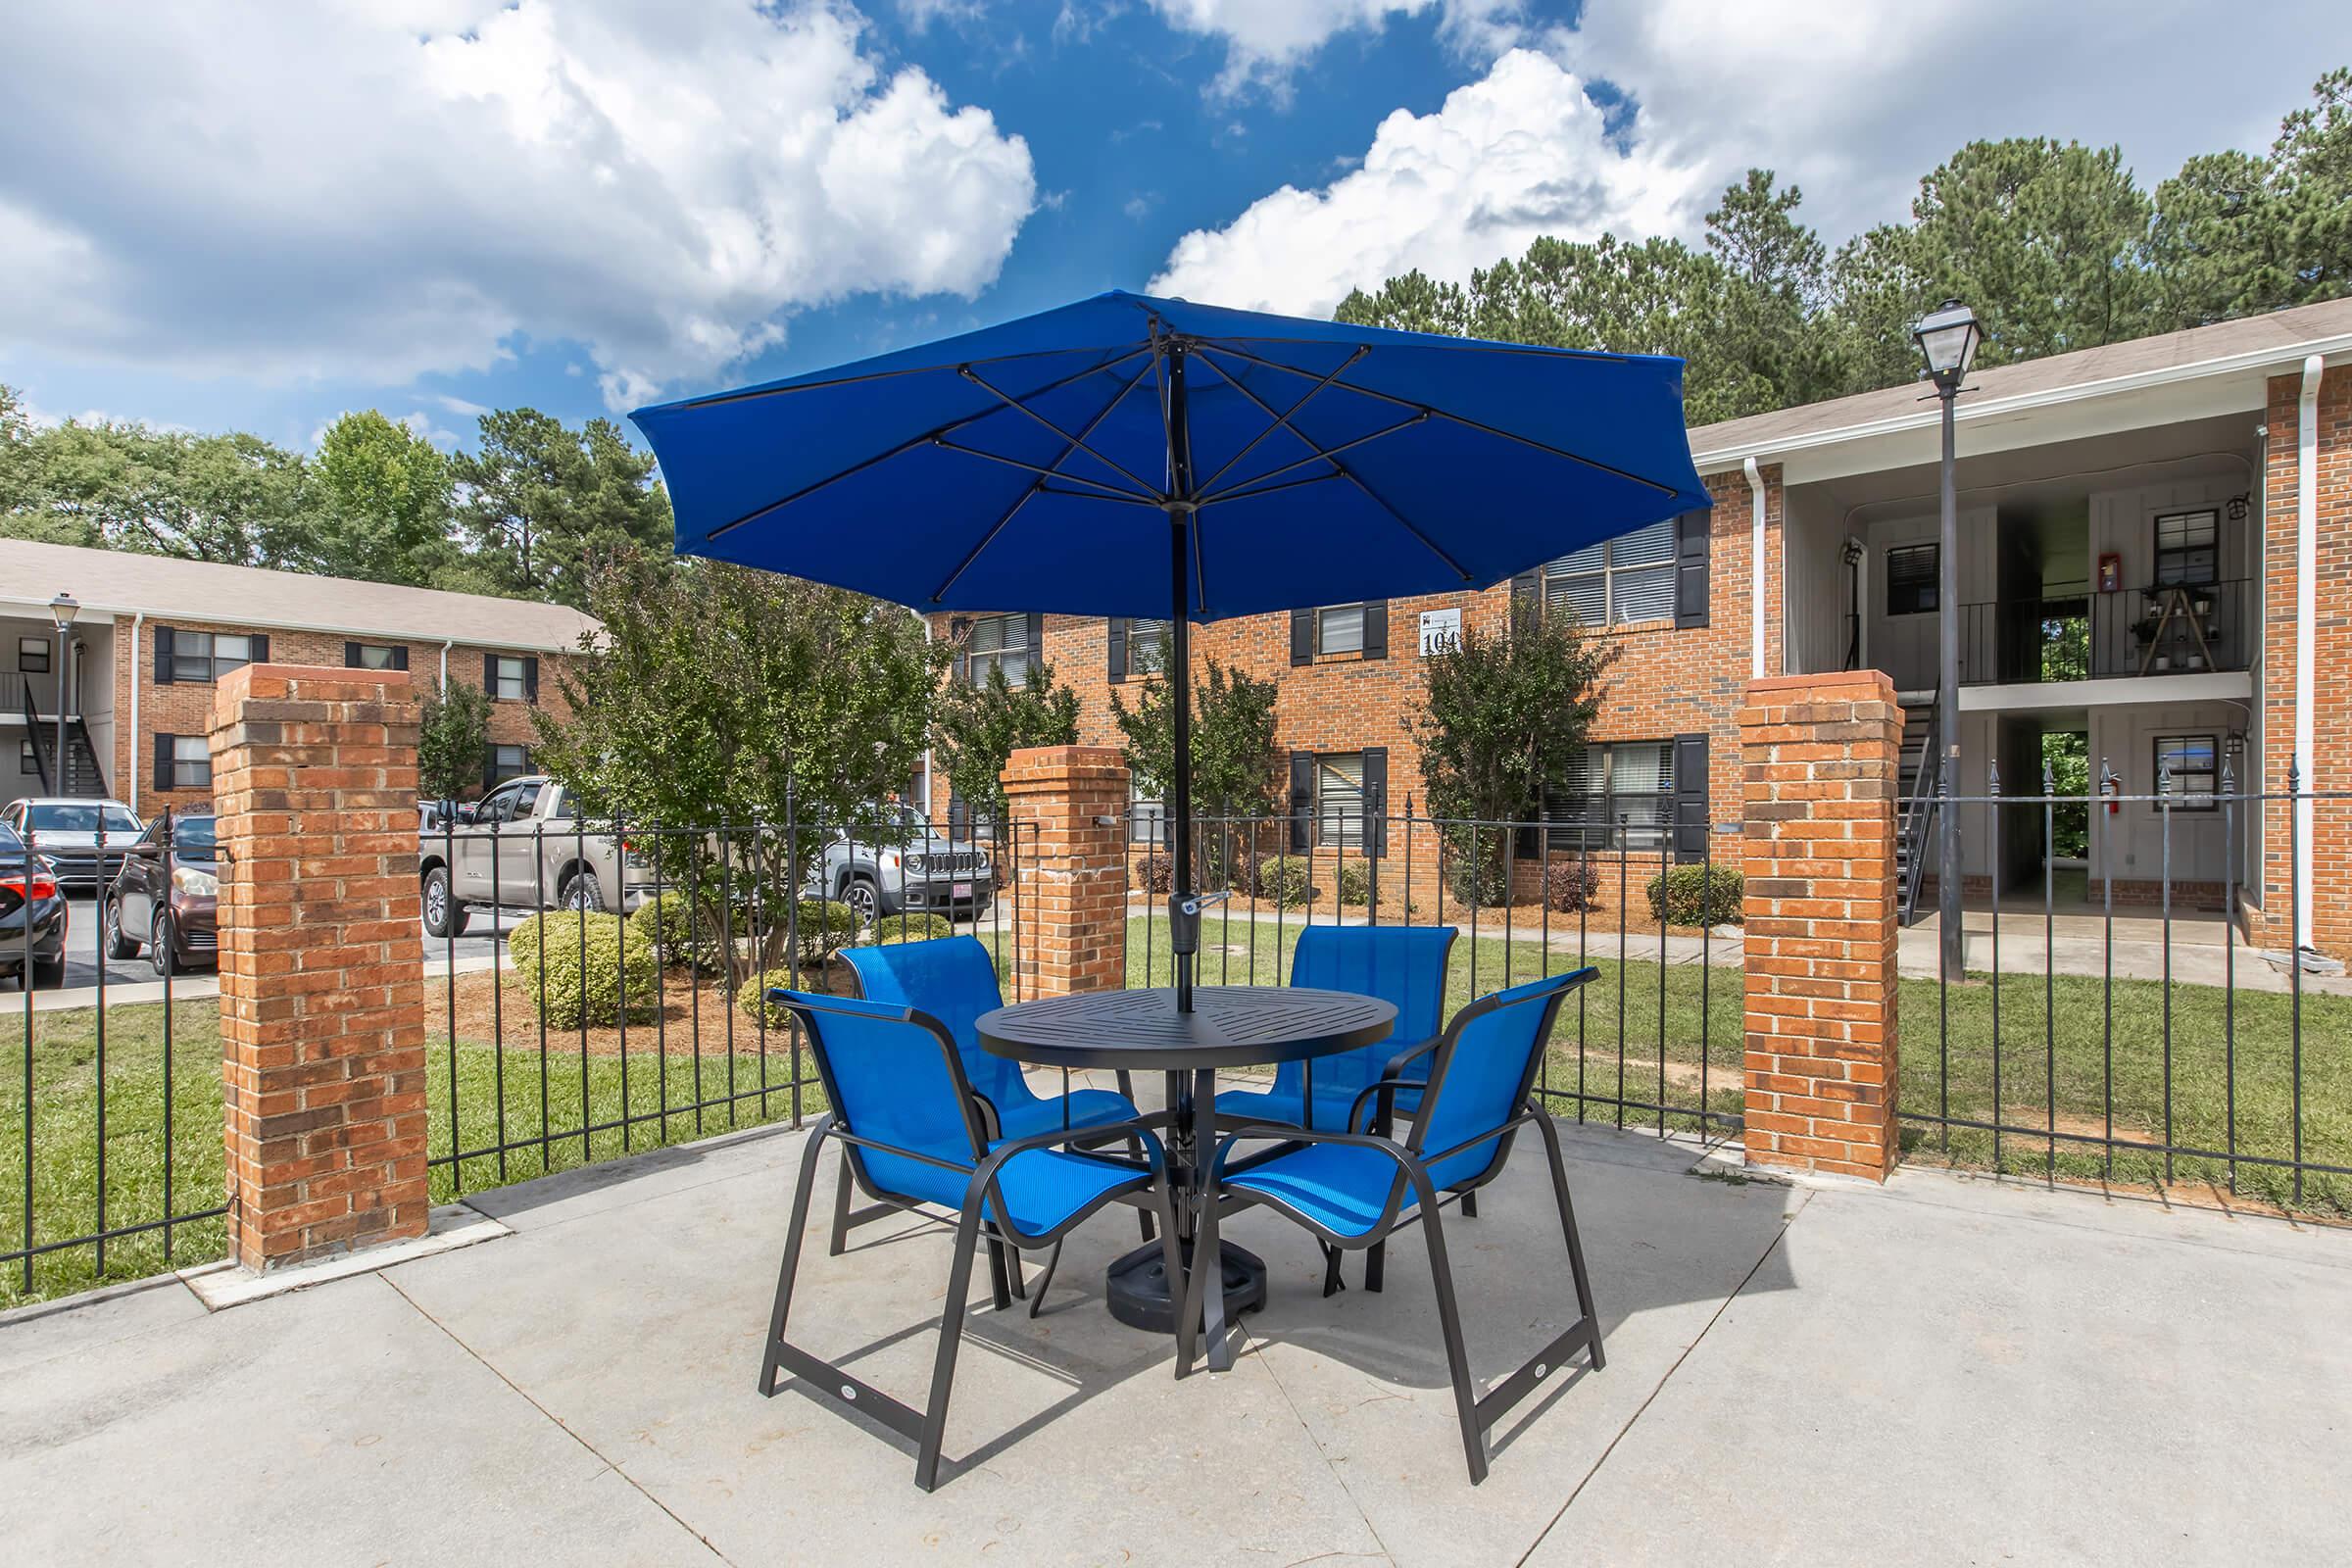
{"x": 1944, "y": 1370}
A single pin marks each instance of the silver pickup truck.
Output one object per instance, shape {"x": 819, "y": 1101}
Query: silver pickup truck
{"x": 521, "y": 848}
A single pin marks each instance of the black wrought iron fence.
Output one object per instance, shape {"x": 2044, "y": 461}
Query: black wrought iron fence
{"x": 592, "y": 988}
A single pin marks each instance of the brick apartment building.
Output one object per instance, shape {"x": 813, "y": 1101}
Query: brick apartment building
{"x": 154, "y": 635}
{"x": 2139, "y": 526}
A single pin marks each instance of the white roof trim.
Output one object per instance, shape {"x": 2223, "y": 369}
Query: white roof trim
{"x": 344, "y": 629}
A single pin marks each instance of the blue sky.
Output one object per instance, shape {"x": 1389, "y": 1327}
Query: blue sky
{"x": 257, "y": 218}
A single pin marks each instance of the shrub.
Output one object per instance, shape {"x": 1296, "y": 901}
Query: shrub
{"x": 551, "y": 946}
{"x": 1157, "y": 871}
{"x": 912, "y": 928}
{"x": 1355, "y": 882}
{"x": 1280, "y": 876}
{"x": 826, "y": 926}
{"x": 1697, "y": 895}
{"x": 1571, "y": 885}
{"x": 667, "y": 924}
{"x": 752, "y": 998}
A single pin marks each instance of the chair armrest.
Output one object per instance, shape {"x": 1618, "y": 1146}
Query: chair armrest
{"x": 1396, "y": 1063}
{"x": 1385, "y": 1089}
{"x": 1139, "y": 1127}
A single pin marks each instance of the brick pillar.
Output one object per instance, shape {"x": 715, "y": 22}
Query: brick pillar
{"x": 1067, "y": 806}
{"x": 1820, "y": 754}
{"x": 321, "y": 960}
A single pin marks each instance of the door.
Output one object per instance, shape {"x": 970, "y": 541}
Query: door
{"x": 142, "y": 870}
{"x": 526, "y": 847}
{"x": 470, "y": 874}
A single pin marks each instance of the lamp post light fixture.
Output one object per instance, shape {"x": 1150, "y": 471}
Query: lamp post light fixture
{"x": 1947, "y": 340}
{"x": 61, "y": 610}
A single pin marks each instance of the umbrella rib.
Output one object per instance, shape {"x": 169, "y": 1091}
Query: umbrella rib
{"x": 1282, "y": 421}
{"x": 1466, "y": 423}
{"x": 1117, "y": 353}
{"x": 908, "y": 445}
{"x": 1075, "y": 441}
{"x": 1039, "y": 484}
{"x": 1109, "y": 491}
{"x": 1320, "y": 454}
{"x": 1375, "y": 496}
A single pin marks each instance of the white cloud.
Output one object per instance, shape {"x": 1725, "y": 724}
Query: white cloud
{"x": 462, "y": 406}
{"x": 1851, "y": 103}
{"x": 1518, "y": 153}
{"x": 377, "y": 191}
{"x": 1265, "y": 40}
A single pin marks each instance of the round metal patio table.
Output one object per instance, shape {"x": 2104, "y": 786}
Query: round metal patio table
{"x": 1141, "y": 1031}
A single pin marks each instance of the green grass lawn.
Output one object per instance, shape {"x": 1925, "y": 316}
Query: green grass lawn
{"x": 1615, "y": 1040}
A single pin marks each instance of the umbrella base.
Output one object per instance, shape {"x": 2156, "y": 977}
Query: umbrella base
{"x": 1136, "y": 1286}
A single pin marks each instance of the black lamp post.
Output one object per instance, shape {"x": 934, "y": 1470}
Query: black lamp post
{"x": 61, "y": 610}
{"x": 1947, "y": 341}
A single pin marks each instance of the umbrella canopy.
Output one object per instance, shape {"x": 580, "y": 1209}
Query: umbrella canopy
{"x": 1130, "y": 456}
{"x": 1028, "y": 465}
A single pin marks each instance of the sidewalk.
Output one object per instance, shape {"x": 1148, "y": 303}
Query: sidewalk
{"x": 1943, "y": 1371}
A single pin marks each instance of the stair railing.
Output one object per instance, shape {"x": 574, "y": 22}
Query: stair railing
{"x": 1919, "y": 813}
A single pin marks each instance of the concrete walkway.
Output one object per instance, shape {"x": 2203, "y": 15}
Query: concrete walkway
{"x": 1943, "y": 1371}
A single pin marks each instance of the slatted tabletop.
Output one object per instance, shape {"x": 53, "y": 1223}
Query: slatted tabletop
{"x": 1229, "y": 1026}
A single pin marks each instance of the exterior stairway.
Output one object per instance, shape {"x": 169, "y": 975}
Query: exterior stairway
{"x": 79, "y": 773}
{"x": 1914, "y": 837}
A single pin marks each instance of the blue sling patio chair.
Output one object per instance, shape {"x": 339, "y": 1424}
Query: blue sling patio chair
{"x": 907, "y": 1121}
{"x": 955, "y": 981}
{"x": 1354, "y": 1189}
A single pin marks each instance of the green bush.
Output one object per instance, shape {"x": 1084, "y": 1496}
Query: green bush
{"x": 1697, "y": 895}
{"x": 752, "y": 998}
{"x": 912, "y": 928}
{"x": 1281, "y": 876}
{"x": 1355, "y": 882}
{"x": 620, "y": 963}
{"x": 667, "y": 923}
{"x": 826, "y": 926}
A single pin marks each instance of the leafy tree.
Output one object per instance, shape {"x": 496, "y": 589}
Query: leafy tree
{"x": 542, "y": 503}
{"x": 716, "y": 696}
{"x": 1501, "y": 715}
{"x": 230, "y": 498}
{"x": 453, "y": 741}
{"x": 1775, "y": 278}
{"x": 1235, "y": 766}
{"x": 978, "y": 727}
{"x": 385, "y": 503}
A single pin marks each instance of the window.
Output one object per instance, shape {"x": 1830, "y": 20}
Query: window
{"x": 1617, "y": 796}
{"x": 1617, "y": 581}
{"x": 509, "y": 678}
{"x": 200, "y": 656}
{"x": 1138, "y": 646}
{"x": 2187, "y": 771}
{"x": 374, "y": 656}
{"x": 1358, "y": 630}
{"x": 1147, "y": 818}
{"x": 2187, "y": 546}
{"x": 191, "y": 759}
{"x": 508, "y": 761}
{"x": 1340, "y": 629}
{"x": 1340, "y": 801}
{"x": 998, "y": 642}
{"x": 27, "y": 763}
{"x": 33, "y": 656}
{"x": 1913, "y": 573}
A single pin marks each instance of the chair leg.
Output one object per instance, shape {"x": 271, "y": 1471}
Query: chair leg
{"x": 1470, "y": 1206}
{"x": 999, "y": 1283}
{"x": 1457, "y": 1358}
{"x": 802, "y": 1191}
{"x": 1568, "y": 1231}
{"x": 951, "y": 1337}
{"x": 1036, "y": 1300}
{"x": 842, "y": 1194}
{"x": 1135, "y": 1147}
{"x": 1375, "y": 1266}
{"x": 1171, "y": 1260}
{"x": 1334, "y": 1282}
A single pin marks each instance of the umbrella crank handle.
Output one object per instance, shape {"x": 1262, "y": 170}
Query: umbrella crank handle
{"x": 1184, "y": 918}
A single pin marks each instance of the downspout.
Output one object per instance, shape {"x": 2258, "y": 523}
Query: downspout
{"x": 445, "y": 646}
{"x": 137, "y": 622}
{"x": 2307, "y": 566}
{"x": 1755, "y": 556}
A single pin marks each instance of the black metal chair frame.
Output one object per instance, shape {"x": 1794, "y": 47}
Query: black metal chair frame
{"x": 927, "y": 1427}
{"x": 1477, "y": 1416}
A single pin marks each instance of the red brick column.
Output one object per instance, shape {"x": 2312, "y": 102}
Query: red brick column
{"x": 1067, "y": 806}
{"x": 321, "y": 960}
{"x": 1820, "y": 754}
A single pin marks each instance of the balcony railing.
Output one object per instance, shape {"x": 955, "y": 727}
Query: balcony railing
{"x": 2076, "y": 634}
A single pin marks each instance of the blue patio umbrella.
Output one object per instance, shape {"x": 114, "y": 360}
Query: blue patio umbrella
{"x": 1140, "y": 457}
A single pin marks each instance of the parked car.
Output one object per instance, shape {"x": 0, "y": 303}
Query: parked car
{"x": 66, "y": 830}
{"x": 523, "y": 847}
{"x": 31, "y": 898}
{"x": 910, "y": 869}
{"x": 165, "y": 899}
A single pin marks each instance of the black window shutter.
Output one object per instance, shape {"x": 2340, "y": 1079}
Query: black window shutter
{"x": 163, "y": 656}
{"x": 1303, "y": 636}
{"x": 1376, "y": 791}
{"x": 256, "y": 648}
{"x": 162, "y": 760}
{"x": 1527, "y": 594}
{"x": 531, "y": 680}
{"x": 964, "y": 664}
{"x": 351, "y": 656}
{"x": 1117, "y": 634}
{"x": 1375, "y": 635}
{"x": 959, "y": 816}
{"x": 489, "y": 768}
{"x": 1037, "y": 641}
{"x": 400, "y": 655}
{"x": 1690, "y": 797}
{"x": 1692, "y": 532}
{"x": 490, "y": 676}
{"x": 1303, "y": 797}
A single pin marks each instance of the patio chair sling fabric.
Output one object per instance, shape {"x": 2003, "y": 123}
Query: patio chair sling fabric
{"x": 1402, "y": 964}
{"x": 955, "y": 981}
{"x": 1354, "y": 1189}
{"x": 905, "y": 1117}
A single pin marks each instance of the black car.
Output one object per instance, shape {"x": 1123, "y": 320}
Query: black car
{"x": 30, "y": 901}
{"x": 166, "y": 897}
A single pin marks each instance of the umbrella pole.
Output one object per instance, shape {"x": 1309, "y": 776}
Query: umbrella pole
{"x": 1184, "y": 910}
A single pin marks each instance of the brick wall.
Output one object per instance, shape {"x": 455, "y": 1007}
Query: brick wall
{"x": 2330, "y": 767}
{"x": 185, "y": 707}
{"x": 322, "y": 963}
{"x": 1069, "y": 918}
{"x": 1665, "y": 681}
